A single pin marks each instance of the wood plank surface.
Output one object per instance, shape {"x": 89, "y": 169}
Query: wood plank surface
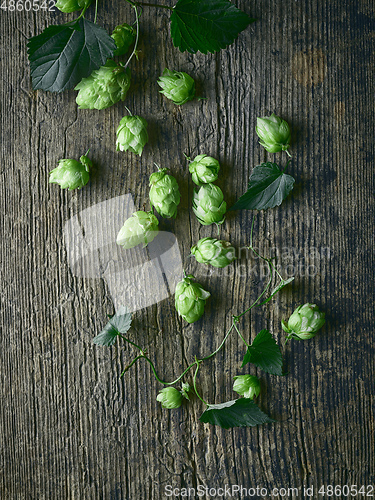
{"x": 69, "y": 427}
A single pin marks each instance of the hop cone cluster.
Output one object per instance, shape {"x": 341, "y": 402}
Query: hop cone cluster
{"x": 177, "y": 86}
{"x": 209, "y": 205}
{"x": 274, "y": 133}
{"x": 124, "y": 36}
{"x": 170, "y": 398}
{"x": 104, "y": 87}
{"x": 305, "y": 322}
{"x": 190, "y": 299}
{"x": 164, "y": 193}
{"x": 71, "y": 174}
{"x": 247, "y": 386}
{"x": 218, "y": 253}
{"x": 132, "y": 134}
{"x": 204, "y": 169}
{"x": 141, "y": 227}
{"x": 72, "y": 5}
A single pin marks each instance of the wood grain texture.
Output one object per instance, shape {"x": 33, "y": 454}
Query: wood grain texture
{"x": 69, "y": 427}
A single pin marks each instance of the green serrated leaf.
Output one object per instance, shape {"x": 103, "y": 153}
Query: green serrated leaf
{"x": 268, "y": 187}
{"x": 206, "y": 25}
{"x": 265, "y": 354}
{"x": 107, "y": 336}
{"x": 64, "y": 54}
{"x": 238, "y": 413}
{"x": 277, "y": 289}
{"x": 118, "y": 324}
{"x": 122, "y": 320}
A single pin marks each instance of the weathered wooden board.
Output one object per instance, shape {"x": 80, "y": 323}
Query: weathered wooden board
{"x": 70, "y": 429}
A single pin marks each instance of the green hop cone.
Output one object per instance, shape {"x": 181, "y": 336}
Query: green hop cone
{"x": 132, "y": 134}
{"x": 72, "y": 5}
{"x": 274, "y": 133}
{"x": 164, "y": 193}
{"x": 104, "y": 87}
{"x": 247, "y": 386}
{"x": 204, "y": 169}
{"x": 71, "y": 174}
{"x": 190, "y": 299}
{"x": 209, "y": 205}
{"x": 124, "y": 36}
{"x": 170, "y": 398}
{"x": 177, "y": 86}
{"x": 218, "y": 253}
{"x": 304, "y": 323}
{"x": 141, "y": 227}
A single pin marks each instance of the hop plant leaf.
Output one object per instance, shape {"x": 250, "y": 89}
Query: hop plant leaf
{"x": 120, "y": 323}
{"x": 206, "y": 25}
{"x": 268, "y": 187}
{"x": 265, "y": 354}
{"x": 238, "y": 413}
{"x": 62, "y": 55}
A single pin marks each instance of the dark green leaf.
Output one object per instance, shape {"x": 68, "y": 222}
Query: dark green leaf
{"x": 238, "y": 413}
{"x": 206, "y": 25}
{"x": 277, "y": 289}
{"x": 107, "y": 336}
{"x": 64, "y": 54}
{"x": 119, "y": 323}
{"x": 268, "y": 187}
{"x": 265, "y": 354}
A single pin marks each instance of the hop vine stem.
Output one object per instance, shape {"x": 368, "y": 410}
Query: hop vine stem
{"x": 235, "y": 320}
{"x": 136, "y": 38}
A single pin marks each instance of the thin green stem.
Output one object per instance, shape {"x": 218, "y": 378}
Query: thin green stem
{"x": 239, "y": 333}
{"x": 131, "y": 364}
{"x": 260, "y": 296}
{"x": 137, "y": 35}
{"x": 81, "y": 14}
{"x": 194, "y": 382}
{"x": 96, "y": 11}
{"x": 220, "y": 346}
{"x": 132, "y": 343}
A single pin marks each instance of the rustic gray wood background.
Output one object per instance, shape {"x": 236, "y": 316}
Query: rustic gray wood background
{"x": 69, "y": 427}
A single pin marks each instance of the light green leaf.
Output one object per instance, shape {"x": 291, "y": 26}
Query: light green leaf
{"x": 277, "y": 289}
